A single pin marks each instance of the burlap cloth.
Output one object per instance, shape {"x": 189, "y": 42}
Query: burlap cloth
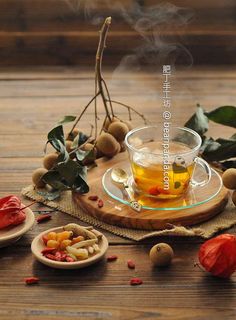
{"x": 205, "y": 230}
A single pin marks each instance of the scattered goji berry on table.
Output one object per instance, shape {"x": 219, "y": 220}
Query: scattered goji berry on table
{"x": 31, "y": 280}
{"x": 43, "y": 217}
{"x": 136, "y": 281}
{"x": 112, "y": 258}
{"x": 93, "y": 198}
{"x": 100, "y": 203}
{"x": 130, "y": 264}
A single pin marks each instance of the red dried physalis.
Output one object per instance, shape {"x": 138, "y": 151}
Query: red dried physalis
{"x": 11, "y": 211}
{"x": 218, "y": 255}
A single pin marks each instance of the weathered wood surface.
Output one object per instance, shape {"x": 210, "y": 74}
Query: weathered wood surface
{"x": 31, "y": 102}
{"x": 65, "y": 32}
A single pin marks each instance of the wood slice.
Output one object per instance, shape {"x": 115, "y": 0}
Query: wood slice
{"x": 116, "y": 213}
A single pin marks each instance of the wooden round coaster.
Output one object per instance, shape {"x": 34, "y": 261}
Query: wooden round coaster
{"x": 116, "y": 213}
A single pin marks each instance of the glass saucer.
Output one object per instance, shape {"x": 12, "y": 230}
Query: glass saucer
{"x": 194, "y": 197}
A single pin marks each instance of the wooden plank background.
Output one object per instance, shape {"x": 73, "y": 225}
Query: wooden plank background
{"x": 65, "y": 32}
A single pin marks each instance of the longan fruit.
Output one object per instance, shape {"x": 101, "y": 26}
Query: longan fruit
{"x": 122, "y": 146}
{"x": 108, "y": 122}
{"x": 129, "y": 124}
{"x": 36, "y": 177}
{"x": 118, "y": 130}
{"x": 229, "y": 178}
{"x": 50, "y": 160}
{"x": 68, "y": 145}
{"x": 161, "y": 255}
{"x": 107, "y": 144}
{"x": 234, "y": 197}
{"x": 71, "y": 136}
{"x": 88, "y": 147}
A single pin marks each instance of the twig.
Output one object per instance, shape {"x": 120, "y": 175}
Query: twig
{"x": 98, "y": 66}
{"x": 131, "y": 108}
{"x": 82, "y": 113}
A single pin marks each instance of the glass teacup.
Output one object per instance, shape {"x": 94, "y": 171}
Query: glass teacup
{"x": 163, "y": 160}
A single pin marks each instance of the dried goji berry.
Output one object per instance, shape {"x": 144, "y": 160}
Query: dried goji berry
{"x": 50, "y": 256}
{"x": 69, "y": 259}
{"x": 47, "y": 250}
{"x": 100, "y": 203}
{"x": 112, "y": 258}
{"x": 136, "y": 281}
{"x": 45, "y": 239}
{"x": 31, "y": 280}
{"x": 130, "y": 264}
{"x": 93, "y": 198}
{"x": 153, "y": 191}
{"x": 43, "y": 217}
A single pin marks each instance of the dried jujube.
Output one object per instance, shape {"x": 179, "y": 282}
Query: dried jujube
{"x": 218, "y": 255}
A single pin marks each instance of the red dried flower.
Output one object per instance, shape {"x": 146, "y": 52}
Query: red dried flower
{"x": 218, "y": 255}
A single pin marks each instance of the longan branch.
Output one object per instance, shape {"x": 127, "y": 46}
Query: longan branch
{"x": 98, "y": 66}
{"x": 83, "y": 111}
{"x": 131, "y": 109}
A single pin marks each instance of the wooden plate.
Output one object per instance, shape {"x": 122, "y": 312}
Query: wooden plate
{"x": 12, "y": 234}
{"x": 37, "y": 246}
{"x": 116, "y": 213}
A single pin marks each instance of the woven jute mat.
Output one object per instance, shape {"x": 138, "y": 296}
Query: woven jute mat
{"x": 222, "y": 221}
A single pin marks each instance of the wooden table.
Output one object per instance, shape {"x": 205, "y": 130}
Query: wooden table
{"x": 31, "y": 102}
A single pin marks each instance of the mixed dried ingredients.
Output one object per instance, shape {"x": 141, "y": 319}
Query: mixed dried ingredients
{"x": 74, "y": 243}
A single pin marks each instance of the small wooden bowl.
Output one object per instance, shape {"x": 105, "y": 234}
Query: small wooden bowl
{"x": 37, "y": 246}
{"x": 11, "y": 234}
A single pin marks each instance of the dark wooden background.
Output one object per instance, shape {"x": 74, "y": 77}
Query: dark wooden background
{"x": 65, "y": 32}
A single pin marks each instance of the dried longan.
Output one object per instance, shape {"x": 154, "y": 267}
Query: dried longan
{"x": 118, "y": 130}
{"x": 234, "y": 197}
{"x": 107, "y": 144}
{"x": 37, "y": 175}
{"x": 50, "y": 160}
{"x": 229, "y": 178}
{"x": 161, "y": 255}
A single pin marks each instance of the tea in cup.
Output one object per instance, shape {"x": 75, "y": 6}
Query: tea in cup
{"x": 162, "y": 168}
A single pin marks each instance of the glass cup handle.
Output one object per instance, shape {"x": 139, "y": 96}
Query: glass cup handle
{"x": 207, "y": 169}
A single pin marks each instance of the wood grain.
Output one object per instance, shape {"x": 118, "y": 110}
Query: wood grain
{"x": 181, "y": 292}
{"x": 65, "y": 32}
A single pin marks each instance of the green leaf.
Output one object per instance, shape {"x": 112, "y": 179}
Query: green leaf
{"x": 225, "y": 115}
{"x": 54, "y": 179}
{"x": 228, "y": 164}
{"x": 79, "y": 140}
{"x": 220, "y": 149}
{"x": 198, "y": 122}
{"x": 80, "y": 155}
{"x": 80, "y": 184}
{"x": 67, "y": 119}
{"x": 56, "y": 137}
{"x": 69, "y": 171}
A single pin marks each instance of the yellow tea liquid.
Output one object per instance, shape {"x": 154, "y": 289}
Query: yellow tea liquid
{"x": 149, "y": 176}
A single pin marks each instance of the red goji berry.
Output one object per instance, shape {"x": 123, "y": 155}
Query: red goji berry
{"x": 153, "y": 191}
{"x": 130, "y": 264}
{"x": 43, "y": 217}
{"x": 31, "y": 280}
{"x": 100, "y": 203}
{"x": 112, "y": 258}
{"x": 69, "y": 259}
{"x": 136, "y": 281}
{"x": 50, "y": 256}
{"x": 93, "y": 198}
{"x": 45, "y": 239}
{"x": 47, "y": 250}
